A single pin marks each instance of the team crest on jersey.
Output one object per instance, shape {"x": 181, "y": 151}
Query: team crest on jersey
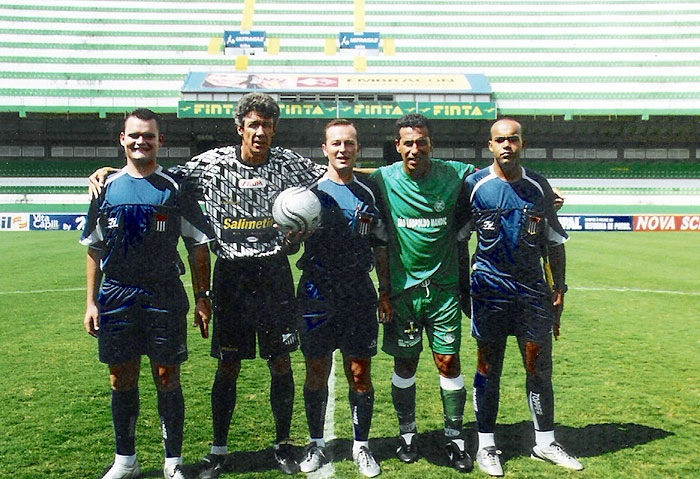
{"x": 532, "y": 223}
{"x": 439, "y": 205}
{"x": 161, "y": 222}
{"x": 252, "y": 183}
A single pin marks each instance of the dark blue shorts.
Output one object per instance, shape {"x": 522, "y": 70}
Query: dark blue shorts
{"x": 135, "y": 321}
{"x": 501, "y": 309}
{"x": 338, "y": 313}
{"x": 254, "y": 299}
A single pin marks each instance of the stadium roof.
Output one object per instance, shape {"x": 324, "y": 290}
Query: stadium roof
{"x": 547, "y": 57}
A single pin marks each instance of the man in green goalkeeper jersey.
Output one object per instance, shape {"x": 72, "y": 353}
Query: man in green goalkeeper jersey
{"x": 421, "y": 196}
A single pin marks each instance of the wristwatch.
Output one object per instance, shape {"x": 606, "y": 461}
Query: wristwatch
{"x": 204, "y": 294}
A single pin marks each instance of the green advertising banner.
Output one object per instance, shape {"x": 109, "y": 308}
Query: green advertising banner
{"x": 369, "y": 110}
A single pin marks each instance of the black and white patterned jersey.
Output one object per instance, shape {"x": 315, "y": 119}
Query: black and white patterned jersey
{"x": 238, "y": 197}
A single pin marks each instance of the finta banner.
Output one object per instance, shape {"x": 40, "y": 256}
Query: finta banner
{"x": 453, "y": 96}
{"x": 341, "y": 109}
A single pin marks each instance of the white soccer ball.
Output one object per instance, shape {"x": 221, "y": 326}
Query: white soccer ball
{"x": 297, "y": 209}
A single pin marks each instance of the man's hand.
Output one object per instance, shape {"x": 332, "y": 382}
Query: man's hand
{"x": 202, "y": 316}
{"x": 558, "y": 303}
{"x": 558, "y": 198}
{"x": 293, "y": 240}
{"x": 97, "y": 180}
{"x": 386, "y": 310}
{"x": 92, "y": 320}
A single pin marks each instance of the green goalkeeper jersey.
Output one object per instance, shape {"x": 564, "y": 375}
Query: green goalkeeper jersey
{"x": 423, "y": 225}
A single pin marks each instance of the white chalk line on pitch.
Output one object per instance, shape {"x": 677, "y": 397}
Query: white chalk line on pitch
{"x": 42, "y": 291}
{"x": 637, "y": 290}
{"x": 327, "y": 471}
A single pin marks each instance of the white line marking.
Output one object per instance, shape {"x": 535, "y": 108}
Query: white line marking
{"x": 42, "y": 291}
{"x": 327, "y": 471}
{"x": 637, "y": 290}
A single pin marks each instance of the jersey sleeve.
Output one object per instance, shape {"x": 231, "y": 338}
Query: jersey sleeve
{"x": 556, "y": 235}
{"x": 93, "y": 234}
{"x": 301, "y": 170}
{"x": 191, "y": 175}
{"x": 379, "y": 235}
{"x": 195, "y": 227}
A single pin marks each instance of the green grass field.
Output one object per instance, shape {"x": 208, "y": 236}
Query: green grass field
{"x": 626, "y": 375}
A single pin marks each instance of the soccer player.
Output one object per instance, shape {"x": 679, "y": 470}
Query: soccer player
{"x": 514, "y": 216}
{"x": 132, "y": 232}
{"x": 421, "y": 197}
{"x": 337, "y": 297}
{"x": 253, "y": 290}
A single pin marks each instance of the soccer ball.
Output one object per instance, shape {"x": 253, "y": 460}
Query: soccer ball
{"x": 297, "y": 209}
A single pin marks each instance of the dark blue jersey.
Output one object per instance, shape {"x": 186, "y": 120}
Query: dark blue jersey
{"x": 137, "y": 223}
{"x": 515, "y": 223}
{"x": 350, "y": 225}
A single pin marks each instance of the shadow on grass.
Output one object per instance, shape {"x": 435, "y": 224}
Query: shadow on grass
{"x": 513, "y": 439}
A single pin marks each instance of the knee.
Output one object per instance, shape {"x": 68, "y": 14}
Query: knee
{"x": 449, "y": 365}
{"x": 405, "y": 368}
{"x": 537, "y": 362}
{"x": 168, "y": 378}
{"x": 280, "y": 365}
{"x": 124, "y": 377}
{"x": 228, "y": 370}
{"x": 361, "y": 383}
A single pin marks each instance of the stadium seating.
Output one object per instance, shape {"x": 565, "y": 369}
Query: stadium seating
{"x": 557, "y": 59}
{"x": 544, "y": 58}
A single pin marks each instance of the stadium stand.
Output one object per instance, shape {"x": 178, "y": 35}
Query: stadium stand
{"x": 610, "y": 89}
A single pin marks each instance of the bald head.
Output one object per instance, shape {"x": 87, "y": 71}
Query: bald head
{"x": 506, "y": 124}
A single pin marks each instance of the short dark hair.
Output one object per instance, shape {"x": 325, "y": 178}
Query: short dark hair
{"x": 256, "y": 101}
{"x": 144, "y": 114}
{"x": 339, "y": 122}
{"x": 412, "y": 120}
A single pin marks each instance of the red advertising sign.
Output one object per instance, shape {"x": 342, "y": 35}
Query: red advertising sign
{"x": 667, "y": 223}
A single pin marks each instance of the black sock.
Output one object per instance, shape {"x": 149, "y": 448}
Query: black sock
{"x": 315, "y": 404}
{"x": 282, "y": 402}
{"x": 171, "y": 407}
{"x": 405, "y": 405}
{"x": 125, "y": 411}
{"x": 223, "y": 403}
{"x": 361, "y": 408}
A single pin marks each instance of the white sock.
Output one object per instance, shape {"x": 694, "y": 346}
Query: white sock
{"x": 486, "y": 439}
{"x": 356, "y": 445}
{"x": 170, "y": 463}
{"x": 320, "y": 442}
{"x": 219, "y": 450}
{"x": 452, "y": 384}
{"x": 125, "y": 461}
{"x": 544, "y": 438}
{"x": 402, "y": 383}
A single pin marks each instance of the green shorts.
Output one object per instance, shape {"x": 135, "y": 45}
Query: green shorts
{"x": 435, "y": 309}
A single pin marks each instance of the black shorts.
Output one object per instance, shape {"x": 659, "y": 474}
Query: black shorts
{"x": 338, "y": 313}
{"x": 143, "y": 320}
{"x": 254, "y": 297}
{"x": 526, "y": 313}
